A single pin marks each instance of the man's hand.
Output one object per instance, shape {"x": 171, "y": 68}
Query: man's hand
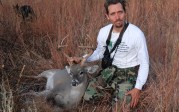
{"x": 74, "y": 59}
{"x": 135, "y": 94}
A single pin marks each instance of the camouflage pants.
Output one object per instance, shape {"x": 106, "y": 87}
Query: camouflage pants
{"x": 118, "y": 80}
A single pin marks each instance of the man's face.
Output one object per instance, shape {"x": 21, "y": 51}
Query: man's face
{"x": 116, "y": 15}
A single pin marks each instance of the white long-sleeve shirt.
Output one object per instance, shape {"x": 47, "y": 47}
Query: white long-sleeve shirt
{"x": 131, "y": 52}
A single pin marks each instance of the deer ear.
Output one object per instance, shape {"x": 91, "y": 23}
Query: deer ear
{"x": 92, "y": 69}
{"x": 68, "y": 69}
{"x": 17, "y": 6}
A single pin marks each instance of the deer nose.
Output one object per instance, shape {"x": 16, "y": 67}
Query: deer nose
{"x": 75, "y": 82}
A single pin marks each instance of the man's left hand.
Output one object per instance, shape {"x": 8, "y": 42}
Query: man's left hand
{"x": 135, "y": 94}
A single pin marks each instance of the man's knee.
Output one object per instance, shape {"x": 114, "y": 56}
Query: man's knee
{"x": 108, "y": 73}
{"x": 122, "y": 90}
{"x": 91, "y": 94}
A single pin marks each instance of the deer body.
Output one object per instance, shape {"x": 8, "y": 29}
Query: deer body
{"x": 65, "y": 88}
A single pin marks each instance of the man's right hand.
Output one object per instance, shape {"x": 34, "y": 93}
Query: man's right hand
{"x": 74, "y": 60}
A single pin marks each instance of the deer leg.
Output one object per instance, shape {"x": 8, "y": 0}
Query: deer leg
{"x": 33, "y": 93}
{"x": 42, "y": 93}
{"x": 39, "y": 77}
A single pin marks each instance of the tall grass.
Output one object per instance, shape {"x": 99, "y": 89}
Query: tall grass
{"x": 7, "y": 102}
{"x": 28, "y": 48}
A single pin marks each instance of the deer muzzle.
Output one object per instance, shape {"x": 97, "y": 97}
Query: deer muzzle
{"x": 74, "y": 82}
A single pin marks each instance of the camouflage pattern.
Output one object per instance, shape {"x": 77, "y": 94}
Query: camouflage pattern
{"x": 118, "y": 80}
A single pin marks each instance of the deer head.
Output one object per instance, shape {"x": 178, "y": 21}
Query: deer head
{"x": 78, "y": 71}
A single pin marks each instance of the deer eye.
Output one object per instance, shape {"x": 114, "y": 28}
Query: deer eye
{"x": 71, "y": 74}
{"x": 81, "y": 73}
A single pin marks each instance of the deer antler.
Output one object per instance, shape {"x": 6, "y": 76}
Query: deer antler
{"x": 85, "y": 57}
{"x": 68, "y": 59}
{"x": 61, "y": 44}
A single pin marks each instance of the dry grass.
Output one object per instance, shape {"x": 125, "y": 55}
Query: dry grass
{"x": 28, "y": 48}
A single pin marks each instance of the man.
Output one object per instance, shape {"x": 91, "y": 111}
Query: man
{"x": 130, "y": 66}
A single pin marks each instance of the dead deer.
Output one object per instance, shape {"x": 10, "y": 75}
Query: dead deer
{"x": 66, "y": 87}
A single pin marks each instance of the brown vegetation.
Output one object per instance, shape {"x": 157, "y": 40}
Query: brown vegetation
{"x": 28, "y": 48}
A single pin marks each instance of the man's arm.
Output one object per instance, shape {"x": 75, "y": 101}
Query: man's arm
{"x": 97, "y": 54}
{"x": 143, "y": 59}
{"x": 143, "y": 71}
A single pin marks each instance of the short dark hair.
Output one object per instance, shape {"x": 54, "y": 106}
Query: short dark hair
{"x": 110, "y": 2}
